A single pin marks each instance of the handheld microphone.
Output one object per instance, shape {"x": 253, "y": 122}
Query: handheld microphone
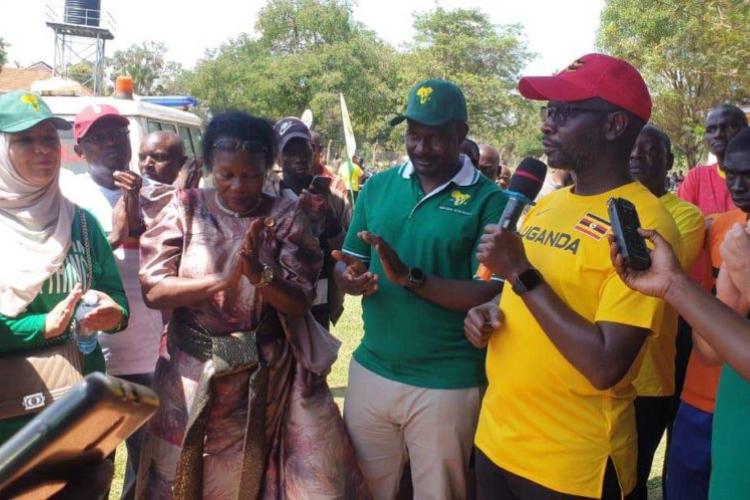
{"x": 524, "y": 186}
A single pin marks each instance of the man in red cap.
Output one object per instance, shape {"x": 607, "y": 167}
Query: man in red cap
{"x": 102, "y": 139}
{"x": 557, "y": 420}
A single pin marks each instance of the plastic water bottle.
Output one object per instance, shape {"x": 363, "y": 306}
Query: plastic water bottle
{"x": 85, "y": 338}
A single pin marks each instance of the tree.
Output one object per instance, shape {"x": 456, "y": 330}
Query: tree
{"x": 3, "y": 53}
{"x": 692, "y": 53}
{"x": 145, "y": 63}
{"x": 306, "y": 53}
{"x": 82, "y": 72}
{"x": 485, "y": 60}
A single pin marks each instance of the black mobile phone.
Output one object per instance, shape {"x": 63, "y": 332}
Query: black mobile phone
{"x": 85, "y": 426}
{"x": 625, "y": 223}
{"x": 321, "y": 184}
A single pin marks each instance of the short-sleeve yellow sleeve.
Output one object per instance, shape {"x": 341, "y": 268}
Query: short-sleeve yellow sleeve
{"x": 620, "y": 304}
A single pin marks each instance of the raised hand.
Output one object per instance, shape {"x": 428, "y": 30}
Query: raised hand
{"x": 250, "y": 251}
{"x": 735, "y": 254}
{"x": 59, "y": 317}
{"x": 395, "y": 269}
{"x": 355, "y": 279}
{"x": 656, "y": 280}
{"x": 480, "y": 323}
{"x": 128, "y": 181}
{"x": 131, "y": 183}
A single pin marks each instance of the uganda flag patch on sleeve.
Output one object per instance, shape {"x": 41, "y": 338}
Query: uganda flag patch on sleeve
{"x": 593, "y": 226}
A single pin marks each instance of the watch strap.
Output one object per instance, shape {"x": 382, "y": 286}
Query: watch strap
{"x": 527, "y": 281}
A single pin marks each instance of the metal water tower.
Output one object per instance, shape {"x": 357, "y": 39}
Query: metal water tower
{"x": 81, "y": 30}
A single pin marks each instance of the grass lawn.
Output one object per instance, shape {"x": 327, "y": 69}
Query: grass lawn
{"x": 349, "y": 331}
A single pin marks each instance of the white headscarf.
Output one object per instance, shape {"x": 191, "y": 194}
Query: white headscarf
{"x": 35, "y": 232}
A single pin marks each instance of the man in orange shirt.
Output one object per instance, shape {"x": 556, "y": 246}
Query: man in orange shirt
{"x": 689, "y": 458}
{"x": 704, "y": 185}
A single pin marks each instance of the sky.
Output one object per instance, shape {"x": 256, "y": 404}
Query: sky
{"x": 558, "y": 31}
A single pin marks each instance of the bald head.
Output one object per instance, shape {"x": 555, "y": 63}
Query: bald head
{"x": 489, "y": 161}
{"x": 161, "y": 156}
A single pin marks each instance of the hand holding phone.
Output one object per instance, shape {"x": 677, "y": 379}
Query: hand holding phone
{"x": 625, "y": 224}
{"x": 321, "y": 184}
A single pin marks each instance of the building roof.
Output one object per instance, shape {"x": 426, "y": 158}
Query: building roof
{"x": 40, "y": 65}
{"x": 21, "y": 78}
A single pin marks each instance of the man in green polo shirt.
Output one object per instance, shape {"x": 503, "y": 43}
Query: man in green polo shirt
{"x": 415, "y": 381}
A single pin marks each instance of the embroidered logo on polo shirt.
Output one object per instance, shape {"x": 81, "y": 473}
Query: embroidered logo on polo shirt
{"x": 593, "y": 226}
{"x": 459, "y": 198}
{"x": 424, "y": 94}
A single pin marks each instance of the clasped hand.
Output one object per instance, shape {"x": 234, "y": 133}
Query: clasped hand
{"x": 106, "y": 316}
{"x": 245, "y": 260}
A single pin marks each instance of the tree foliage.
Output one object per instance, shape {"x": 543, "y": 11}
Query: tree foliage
{"x": 693, "y": 54}
{"x": 82, "y": 72}
{"x": 305, "y": 52}
{"x": 3, "y": 53}
{"x": 146, "y": 64}
{"x": 485, "y": 60}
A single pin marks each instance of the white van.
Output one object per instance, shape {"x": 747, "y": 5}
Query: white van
{"x": 144, "y": 118}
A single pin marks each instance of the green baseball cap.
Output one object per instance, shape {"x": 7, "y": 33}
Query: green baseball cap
{"x": 434, "y": 102}
{"x": 21, "y": 110}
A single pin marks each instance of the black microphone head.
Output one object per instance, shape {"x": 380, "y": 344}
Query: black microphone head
{"x": 528, "y": 178}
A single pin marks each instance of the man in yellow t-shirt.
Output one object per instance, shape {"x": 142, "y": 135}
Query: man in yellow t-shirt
{"x": 557, "y": 419}
{"x": 665, "y": 359}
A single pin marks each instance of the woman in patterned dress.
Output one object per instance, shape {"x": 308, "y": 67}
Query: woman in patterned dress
{"x": 242, "y": 413}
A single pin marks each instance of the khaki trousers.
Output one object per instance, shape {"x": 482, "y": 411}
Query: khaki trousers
{"x": 390, "y": 422}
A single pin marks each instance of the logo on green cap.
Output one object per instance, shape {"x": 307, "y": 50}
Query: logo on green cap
{"x": 424, "y": 94}
{"x": 32, "y": 101}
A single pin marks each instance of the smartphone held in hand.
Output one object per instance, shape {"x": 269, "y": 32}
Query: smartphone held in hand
{"x": 625, "y": 224}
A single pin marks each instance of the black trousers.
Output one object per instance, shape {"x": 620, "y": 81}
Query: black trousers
{"x": 495, "y": 483}
{"x": 652, "y": 415}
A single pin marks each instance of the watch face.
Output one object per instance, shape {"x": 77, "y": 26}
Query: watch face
{"x": 416, "y": 276}
{"x": 527, "y": 281}
{"x": 267, "y": 273}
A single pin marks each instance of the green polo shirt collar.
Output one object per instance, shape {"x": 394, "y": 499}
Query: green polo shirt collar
{"x": 466, "y": 176}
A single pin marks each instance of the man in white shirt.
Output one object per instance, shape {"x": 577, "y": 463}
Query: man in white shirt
{"x": 102, "y": 139}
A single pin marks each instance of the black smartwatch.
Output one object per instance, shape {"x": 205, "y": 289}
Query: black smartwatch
{"x": 527, "y": 281}
{"x": 416, "y": 278}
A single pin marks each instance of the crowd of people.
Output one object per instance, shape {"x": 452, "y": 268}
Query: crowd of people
{"x": 556, "y": 378}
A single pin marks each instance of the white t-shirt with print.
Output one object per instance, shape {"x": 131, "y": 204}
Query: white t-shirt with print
{"x": 135, "y": 349}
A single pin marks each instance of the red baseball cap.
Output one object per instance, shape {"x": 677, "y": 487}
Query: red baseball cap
{"x": 92, "y": 114}
{"x": 593, "y": 75}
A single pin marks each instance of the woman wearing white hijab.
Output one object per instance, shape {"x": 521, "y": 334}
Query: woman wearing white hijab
{"x": 44, "y": 266}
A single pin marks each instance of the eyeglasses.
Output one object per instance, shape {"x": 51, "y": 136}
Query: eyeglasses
{"x": 231, "y": 145}
{"x": 560, "y": 114}
{"x": 105, "y": 136}
{"x": 157, "y": 157}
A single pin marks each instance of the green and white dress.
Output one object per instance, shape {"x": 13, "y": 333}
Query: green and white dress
{"x": 25, "y": 332}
